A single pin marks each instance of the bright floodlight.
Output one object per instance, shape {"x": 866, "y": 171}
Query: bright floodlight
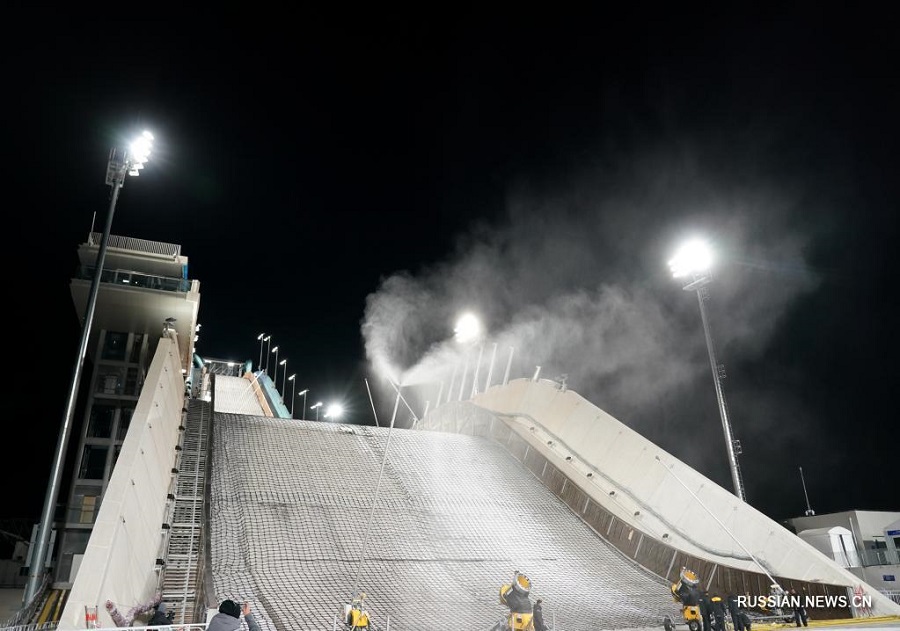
{"x": 468, "y": 328}
{"x": 140, "y": 148}
{"x": 693, "y": 257}
{"x": 139, "y": 153}
{"x": 335, "y": 410}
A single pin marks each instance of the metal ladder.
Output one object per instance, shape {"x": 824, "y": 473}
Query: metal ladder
{"x": 180, "y": 565}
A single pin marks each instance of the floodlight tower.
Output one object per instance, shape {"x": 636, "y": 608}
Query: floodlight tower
{"x": 283, "y": 362}
{"x": 293, "y": 386}
{"x": 262, "y": 338}
{"x": 303, "y": 394}
{"x": 120, "y": 165}
{"x": 692, "y": 262}
{"x": 468, "y": 332}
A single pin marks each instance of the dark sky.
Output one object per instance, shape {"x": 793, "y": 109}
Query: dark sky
{"x": 350, "y": 183}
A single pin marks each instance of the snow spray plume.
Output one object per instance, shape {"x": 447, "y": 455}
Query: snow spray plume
{"x": 578, "y": 284}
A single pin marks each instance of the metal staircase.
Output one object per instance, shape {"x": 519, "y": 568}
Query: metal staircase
{"x": 182, "y": 561}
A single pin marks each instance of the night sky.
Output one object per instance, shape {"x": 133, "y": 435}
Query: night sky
{"x": 350, "y": 183}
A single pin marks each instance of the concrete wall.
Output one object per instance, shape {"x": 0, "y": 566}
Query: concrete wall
{"x": 647, "y": 493}
{"x": 120, "y": 561}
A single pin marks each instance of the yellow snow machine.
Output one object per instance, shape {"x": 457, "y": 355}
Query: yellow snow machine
{"x": 686, "y": 592}
{"x": 514, "y": 595}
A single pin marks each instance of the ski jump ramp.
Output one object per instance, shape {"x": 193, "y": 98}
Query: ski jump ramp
{"x": 430, "y": 522}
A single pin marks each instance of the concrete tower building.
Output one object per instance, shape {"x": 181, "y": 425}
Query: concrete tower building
{"x": 145, "y": 292}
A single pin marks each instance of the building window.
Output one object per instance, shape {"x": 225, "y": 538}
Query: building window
{"x": 137, "y": 345}
{"x": 93, "y": 462}
{"x": 101, "y": 421}
{"x": 125, "y": 415}
{"x": 114, "y": 345}
{"x": 110, "y": 380}
{"x": 132, "y": 386}
{"x": 89, "y": 506}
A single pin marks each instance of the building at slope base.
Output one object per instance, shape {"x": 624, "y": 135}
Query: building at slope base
{"x": 864, "y": 542}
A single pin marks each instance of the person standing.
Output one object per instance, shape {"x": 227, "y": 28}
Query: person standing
{"x": 734, "y": 609}
{"x": 800, "y": 614}
{"x": 705, "y": 610}
{"x": 718, "y": 611}
{"x": 538, "y": 616}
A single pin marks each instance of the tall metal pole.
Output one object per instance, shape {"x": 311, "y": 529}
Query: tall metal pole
{"x": 275, "y": 381}
{"x": 452, "y": 381}
{"x": 508, "y": 365}
{"x": 283, "y": 379}
{"x": 462, "y": 383}
{"x": 719, "y": 521}
{"x": 35, "y": 572}
{"x": 487, "y": 382}
{"x": 809, "y": 511}
{"x": 304, "y": 403}
{"x": 475, "y": 375}
{"x": 293, "y": 388}
{"x": 268, "y": 346}
{"x": 261, "y": 340}
{"x": 702, "y": 295}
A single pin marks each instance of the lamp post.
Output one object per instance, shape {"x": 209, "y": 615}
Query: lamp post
{"x": 303, "y": 394}
{"x": 274, "y": 350}
{"x": 293, "y": 386}
{"x": 692, "y": 262}
{"x": 269, "y": 340}
{"x": 261, "y": 340}
{"x": 283, "y": 362}
{"x": 316, "y": 408}
{"x": 468, "y": 332}
{"x": 120, "y": 164}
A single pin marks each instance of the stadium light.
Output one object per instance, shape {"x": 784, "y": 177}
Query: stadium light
{"x": 120, "y": 165}
{"x": 693, "y": 262}
{"x": 293, "y": 386}
{"x": 261, "y": 337}
{"x": 283, "y": 362}
{"x": 275, "y": 381}
{"x": 468, "y": 328}
{"x": 316, "y": 408}
{"x": 303, "y": 394}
